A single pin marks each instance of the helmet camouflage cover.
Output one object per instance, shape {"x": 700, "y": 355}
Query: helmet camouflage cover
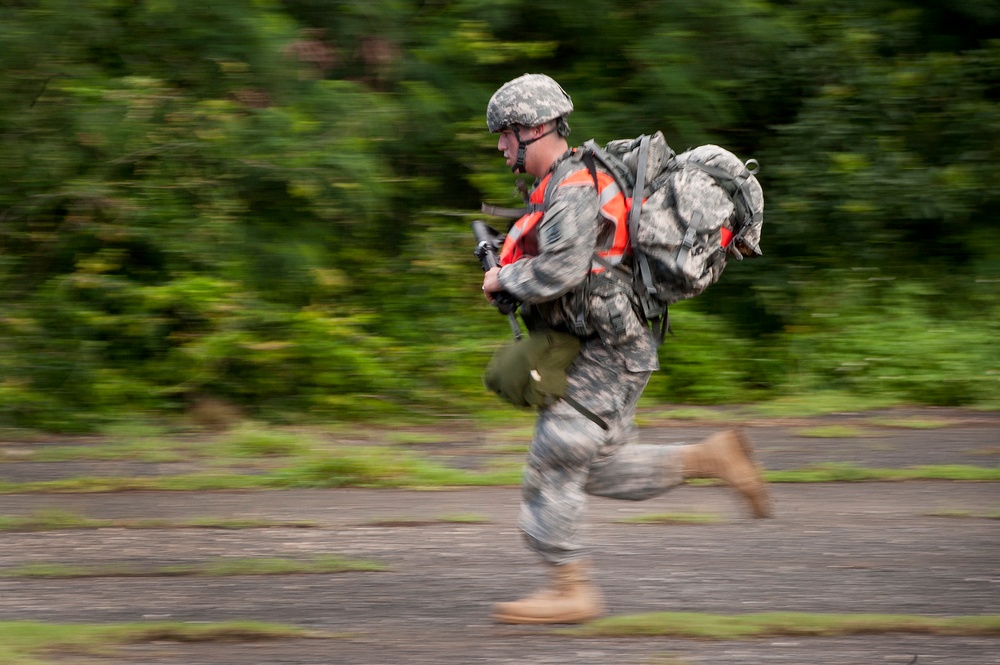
{"x": 528, "y": 100}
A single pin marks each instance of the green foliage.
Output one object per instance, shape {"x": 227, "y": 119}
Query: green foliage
{"x": 267, "y": 204}
{"x": 376, "y": 467}
{"x": 256, "y": 442}
{"x": 704, "y": 361}
{"x": 869, "y": 338}
{"x": 889, "y": 161}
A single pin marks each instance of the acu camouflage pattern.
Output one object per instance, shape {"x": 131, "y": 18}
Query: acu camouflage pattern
{"x": 747, "y": 229}
{"x": 571, "y": 457}
{"x": 528, "y": 100}
{"x": 685, "y": 211}
{"x": 556, "y": 287}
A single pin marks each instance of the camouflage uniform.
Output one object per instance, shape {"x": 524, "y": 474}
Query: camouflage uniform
{"x": 555, "y": 260}
{"x": 571, "y": 456}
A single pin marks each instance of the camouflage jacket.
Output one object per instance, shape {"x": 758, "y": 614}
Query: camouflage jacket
{"x": 557, "y": 281}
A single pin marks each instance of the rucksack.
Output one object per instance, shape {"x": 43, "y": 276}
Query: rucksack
{"x": 697, "y": 209}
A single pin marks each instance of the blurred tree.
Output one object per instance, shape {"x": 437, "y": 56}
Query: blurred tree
{"x": 180, "y": 215}
{"x": 269, "y": 202}
{"x": 891, "y": 163}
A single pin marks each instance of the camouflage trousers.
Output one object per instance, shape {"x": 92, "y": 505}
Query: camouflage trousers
{"x": 571, "y": 456}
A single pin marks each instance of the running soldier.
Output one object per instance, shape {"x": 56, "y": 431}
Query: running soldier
{"x": 547, "y": 263}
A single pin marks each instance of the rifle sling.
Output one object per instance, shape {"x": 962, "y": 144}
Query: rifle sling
{"x": 587, "y": 413}
{"x": 506, "y": 213}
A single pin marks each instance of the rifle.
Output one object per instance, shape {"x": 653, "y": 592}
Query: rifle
{"x": 486, "y": 252}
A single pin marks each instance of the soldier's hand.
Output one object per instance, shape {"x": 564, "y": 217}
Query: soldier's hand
{"x": 491, "y": 282}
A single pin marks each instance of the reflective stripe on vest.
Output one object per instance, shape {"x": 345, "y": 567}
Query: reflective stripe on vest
{"x": 522, "y": 238}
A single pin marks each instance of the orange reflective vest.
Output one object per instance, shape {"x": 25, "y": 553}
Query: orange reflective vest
{"x": 522, "y": 239}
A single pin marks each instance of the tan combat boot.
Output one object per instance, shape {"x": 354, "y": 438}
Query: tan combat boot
{"x": 570, "y": 598}
{"x": 728, "y": 456}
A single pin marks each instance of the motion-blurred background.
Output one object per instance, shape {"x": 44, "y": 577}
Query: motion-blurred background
{"x": 264, "y": 206}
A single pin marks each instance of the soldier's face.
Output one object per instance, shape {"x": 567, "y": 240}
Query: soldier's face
{"x": 507, "y": 144}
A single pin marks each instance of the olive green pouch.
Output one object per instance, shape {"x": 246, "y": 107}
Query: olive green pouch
{"x": 532, "y": 372}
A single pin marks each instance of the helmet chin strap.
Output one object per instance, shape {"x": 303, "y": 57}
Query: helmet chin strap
{"x": 522, "y": 147}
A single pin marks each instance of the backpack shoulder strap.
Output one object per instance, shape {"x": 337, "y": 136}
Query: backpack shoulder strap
{"x": 641, "y": 283}
{"x": 618, "y": 170}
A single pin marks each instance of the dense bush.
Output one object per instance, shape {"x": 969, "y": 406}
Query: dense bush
{"x": 268, "y": 204}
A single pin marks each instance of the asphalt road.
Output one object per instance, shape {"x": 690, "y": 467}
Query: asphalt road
{"x": 885, "y": 548}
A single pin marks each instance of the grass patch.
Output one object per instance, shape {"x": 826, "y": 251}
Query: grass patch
{"x": 387, "y": 467}
{"x": 48, "y": 520}
{"x": 219, "y": 568}
{"x": 380, "y": 467}
{"x": 322, "y": 473}
{"x": 831, "y": 473}
{"x": 55, "y": 519}
{"x": 821, "y": 403}
{"x": 466, "y": 518}
{"x": 405, "y": 438}
{"x": 774, "y": 624}
{"x": 250, "y": 441}
{"x": 909, "y": 423}
{"x": 965, "y": 514}
{"x": 511, "y": 431}
{"x": 518, "y": 422}
{"x": 135, "y": 428}
{"x": 694, "y": 413}
{"x": 830, "y": 432}
{"x": 510, "y": 448}
{"x": 671, "y": 518}
{"x": 27, "y": 642}
{"x": 190, "y": 482}
{"x": 396, "y": 522}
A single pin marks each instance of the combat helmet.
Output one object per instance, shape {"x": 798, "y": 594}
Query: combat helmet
{"x": 528, "y": 101}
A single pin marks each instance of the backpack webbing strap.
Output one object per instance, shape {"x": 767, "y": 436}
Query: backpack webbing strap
{"x": 660, "y": 322}
{"x": 612, "y": 270}
{"x": 684, "y": 251}
{"x": 618, "y": 170}
{"x": 588, "y": 160}
{"x": 633, "y": 216}
{"x": 652, "y": 308}
{"x": 736, "y": 187}
{"x": 661, "y": 327}
{"x": 642, "y": 284}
